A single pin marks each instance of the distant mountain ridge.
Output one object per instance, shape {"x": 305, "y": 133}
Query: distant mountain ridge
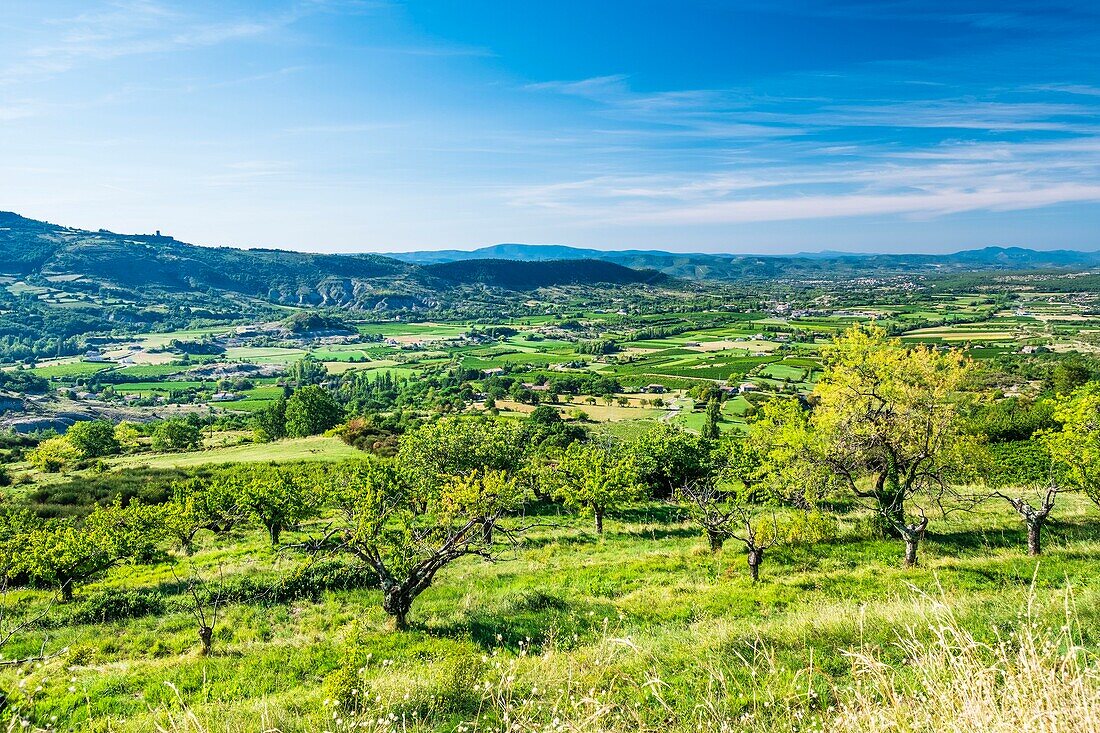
{"x": 726, "y": 266}
{"x": 138, "y": 266}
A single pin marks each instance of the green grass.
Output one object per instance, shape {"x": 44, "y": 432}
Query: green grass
{"x": 264, "y": 354}
{"x": 154, "y": 370}
{"x": 317, "y": 448}
{"x": 695, "y": 420}
{"x": 420, "y": 330}
{"x": 784, "y": 371}
{"x": 72, "y": 369}
{"x": 645, "y": 610}
{"x": 165, "y": 386}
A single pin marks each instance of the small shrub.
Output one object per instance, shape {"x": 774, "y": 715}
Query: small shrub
{"x": 114, "y": 605}
{"x": 309, "y": 581}
{"x": 343, "y": 688}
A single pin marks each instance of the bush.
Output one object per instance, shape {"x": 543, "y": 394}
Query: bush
{"x": 54, "y": 455}
{"x": 94, "y": 439}
{"x": 113, "y": 605}
{"x": 309, "y": 581}
{"x": 175, "y": 435}
{"x": 82, "y": 492}
{"x": 807, "y": 528}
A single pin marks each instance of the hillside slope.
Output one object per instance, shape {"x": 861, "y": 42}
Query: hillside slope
{"x": 138, "y": 267}
{"x": 150, "y": 262}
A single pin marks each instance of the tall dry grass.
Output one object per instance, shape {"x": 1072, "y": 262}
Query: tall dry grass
{"x": 1035, "y": 678}
{"x": 937, "y": 675}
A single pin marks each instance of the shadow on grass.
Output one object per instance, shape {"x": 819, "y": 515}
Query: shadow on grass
{"x": 525, "y": 620}
{"x": 652, "y": 514}
{"x": 662, "y": 533}
{"x": 1013, "y": 537}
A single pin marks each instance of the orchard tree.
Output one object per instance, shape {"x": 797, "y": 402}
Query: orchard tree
{"x": 668, "y": 457}
{"x": 713, "y": 508}
{"x": 455, "y": 446}
{"x": 93, "y": 438}
{"x": 1027, "y": 479}
{"x": 723, "y": 517}
{"x": 311, "y": 410}
{"x": 203, "y": 601}
{"x": 66, "y": 552}
{"x": 1075, "y": 448}
{"x": 595, "y": 478}
{"x": 199, "y": 504}
{"x": 406, "y": 533}
{"x": 886, "y": 426}
{"x": 1034, "y": 513}
{"x": 277, "y": 497}
{"x": 755, "y": 538}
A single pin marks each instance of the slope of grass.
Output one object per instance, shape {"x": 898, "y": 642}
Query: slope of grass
{"x": 643, "y": 630}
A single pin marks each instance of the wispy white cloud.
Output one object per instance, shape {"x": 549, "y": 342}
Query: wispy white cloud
{"x": 805, "y": 157}
{"x": 346, "y": 128}
{"x": 134, "y": 27}
{"x": 248, "y": 173}
{"x": 943, "y": 179}
{"x": 936, "y": 203}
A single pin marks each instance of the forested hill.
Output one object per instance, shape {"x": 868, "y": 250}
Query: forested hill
{"x": 137, "y": 266}
{"x": 150, "y": 262}
{"x": 518, "y": 275}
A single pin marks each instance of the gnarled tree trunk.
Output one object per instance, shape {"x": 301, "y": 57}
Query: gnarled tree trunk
{"x": 754, "y": 558}
{"x": 911, "y": 545}
{"x": 1034, "y": 544}
{"x": 396, "y": 601}
{"x": 1034, "y": 518}
{"x": 912, "y": 534}
{"x": 206, "y": 638}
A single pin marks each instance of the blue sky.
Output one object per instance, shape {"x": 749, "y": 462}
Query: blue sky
{"x": 356, "y": 125}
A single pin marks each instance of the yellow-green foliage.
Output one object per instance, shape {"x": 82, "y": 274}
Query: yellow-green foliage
{"x": 54, "y": 454}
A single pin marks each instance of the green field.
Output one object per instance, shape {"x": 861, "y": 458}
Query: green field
{"x": 316, "y": 448}
{"x": 71, "y": 370}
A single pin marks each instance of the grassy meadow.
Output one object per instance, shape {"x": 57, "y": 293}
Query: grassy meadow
{"x": 644, "y": 629}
